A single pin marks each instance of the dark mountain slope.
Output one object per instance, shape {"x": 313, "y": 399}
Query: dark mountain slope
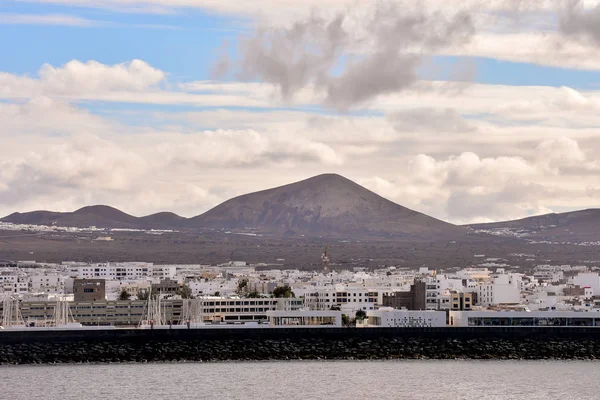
{"x": 323, "y": 205}
{"x": 583, "y": 225}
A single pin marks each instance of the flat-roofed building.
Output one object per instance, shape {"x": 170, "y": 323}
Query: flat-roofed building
{"x": 524, "y": 318}
{"x": 89, "y": 289}
{"x": 133, "y": 312}
{"x": 387, "y": 317}
{"x": 304, "y": 318}
{"x": 166, "y": 286}
{"x": 460, "y": 301}
{"x": 414, "y": 299}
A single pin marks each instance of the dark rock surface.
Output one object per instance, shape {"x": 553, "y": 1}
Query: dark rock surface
{"x": 297, "y": 344}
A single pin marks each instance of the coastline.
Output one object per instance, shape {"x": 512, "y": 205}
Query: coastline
{"x": 196, "y": 345}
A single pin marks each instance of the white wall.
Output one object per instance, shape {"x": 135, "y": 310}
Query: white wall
{"x": 492, "y": 294}
{"x": 391, "y": 318}
{"x": 590, "y": 279}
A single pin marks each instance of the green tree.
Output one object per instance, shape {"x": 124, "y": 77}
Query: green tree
{"x": 283, "y": 292}
{"x": 185, "y": 292}
{"x": 242, "y": 286}
{"x": 345, "y": 320}
{"x": 255, "y": 294}
{"x": 217, "y": 294}
{"x": 124, "y": 295}
{"x": 361, "y": 315}
{"x": 143, "y": 294}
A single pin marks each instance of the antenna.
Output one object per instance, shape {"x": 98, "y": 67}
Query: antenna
{"x": 325, "y": 258}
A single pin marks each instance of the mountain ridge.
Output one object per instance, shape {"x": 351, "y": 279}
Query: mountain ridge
{"x": 101, "y": 216}
{"x": 578, "y": 225}
{"x": 327, "y": 205}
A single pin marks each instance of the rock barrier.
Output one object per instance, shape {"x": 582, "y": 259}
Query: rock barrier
{"x": 295, "y": 344}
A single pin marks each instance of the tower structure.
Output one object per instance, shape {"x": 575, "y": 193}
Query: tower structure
{"x": 325, "y": 258}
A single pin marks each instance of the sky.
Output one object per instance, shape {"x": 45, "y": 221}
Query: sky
{"x": 471, "y": 111}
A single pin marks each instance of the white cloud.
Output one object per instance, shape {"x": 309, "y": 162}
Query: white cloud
{"x": 84, "y": 164}
{"x": 239, "y": 148}
{"x": 499, "y": 23}
{"x": 496, "y": 168}
{"x": 540, "y": 48}
{"x": 92, "y": 76}
{"x": 44, "y": 115}
{"x": 77, "y": 78}
{"x": 47, "y": 19}
{"x": 469, "y": 188}
{"x": 123, "y": 82}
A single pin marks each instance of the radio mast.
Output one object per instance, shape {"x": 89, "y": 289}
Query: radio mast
{"x": 325, "y": 258}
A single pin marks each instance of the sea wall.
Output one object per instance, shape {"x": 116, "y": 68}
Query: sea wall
{"x": 134, "y": 345}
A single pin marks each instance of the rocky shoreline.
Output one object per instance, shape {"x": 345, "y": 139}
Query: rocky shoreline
{"x": 313, "y": 348}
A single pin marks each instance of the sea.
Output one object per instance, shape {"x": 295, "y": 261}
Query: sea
{"x": 305, "y": 380}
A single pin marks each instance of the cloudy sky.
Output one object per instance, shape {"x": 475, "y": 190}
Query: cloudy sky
{"x": 477, "y": 110}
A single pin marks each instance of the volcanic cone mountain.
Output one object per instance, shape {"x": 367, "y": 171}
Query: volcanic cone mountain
{"x": 325, "y": 205}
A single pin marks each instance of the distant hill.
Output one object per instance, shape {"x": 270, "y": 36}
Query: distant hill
{"x": 325, "y": 205}
{"x": 162, "y": 219}
{"x": 99, "y": 216}
{"x": 578, "y": 226}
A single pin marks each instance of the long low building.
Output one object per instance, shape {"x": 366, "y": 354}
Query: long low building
{"x": 305, "y": 318}
{"x": 134, "y": 312}
{"x": 387, "y": 317}
{"x": 524, "y": 318}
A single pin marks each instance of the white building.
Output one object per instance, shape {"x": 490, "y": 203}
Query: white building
{"x": 47, "y": 283}
{"x": 387, "y": 317}
{"x": 323, "y": 298}
{"x": 164, "y": 271}
{"x": 116, "y": 271}
{"x": 588, "y": 279}
{"x": 524, "y": 318}
{"x": 496, "y": 293}
{"x": 210, "y": 287}
{"x": 304, "y": 318}
{"x": 19, "y": 284}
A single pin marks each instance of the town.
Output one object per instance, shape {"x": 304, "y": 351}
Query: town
{"x": 238, "y": 294}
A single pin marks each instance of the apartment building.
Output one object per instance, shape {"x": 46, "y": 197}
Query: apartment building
{"x": 460, "y": 301}
{"x": 327, "y": 297}
{"x": 115, "y": 271}
{"x": 413, "y": 299}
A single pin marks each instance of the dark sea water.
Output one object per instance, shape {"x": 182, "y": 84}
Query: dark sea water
{"x": 307, "y": 380}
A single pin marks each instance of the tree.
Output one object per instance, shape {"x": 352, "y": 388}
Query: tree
{"x": 242, "y": 286}
{"x": 255, "y": 294}
{"x": 283, "y": 292}
{"x": 143, "y": 294}
{"x": 361, "y": 315}
{"x": 124, "y": 295}
{"x": 345, "y": 320}
{"x": 217, "y": 294}
{"x": 185, "y": 292}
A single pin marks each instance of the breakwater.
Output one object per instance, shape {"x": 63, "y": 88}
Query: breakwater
{"x": 135, "y": 345}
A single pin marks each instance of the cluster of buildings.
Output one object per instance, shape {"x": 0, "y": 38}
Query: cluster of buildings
{"x": 120, "y": 294}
